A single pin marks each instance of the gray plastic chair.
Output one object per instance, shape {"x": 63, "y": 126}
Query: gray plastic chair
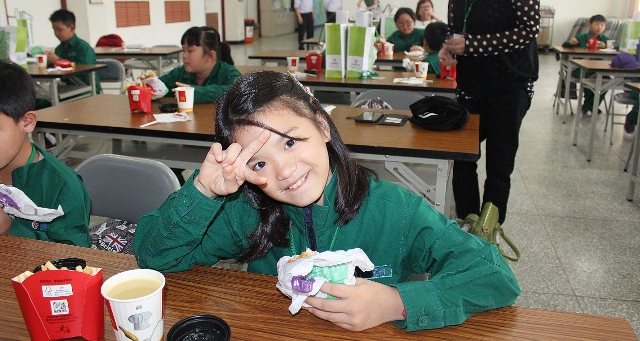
{"x": 124, "y": 187}
{"x": 397, "y": 99}
{"x": 113, "y": 76}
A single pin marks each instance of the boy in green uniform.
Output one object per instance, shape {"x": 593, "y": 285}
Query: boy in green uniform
{"x": 71, "y": 47}
{"x": 434, "y": 36}
{"x": 47, "y": 181}
{"x": 597, "y": 25}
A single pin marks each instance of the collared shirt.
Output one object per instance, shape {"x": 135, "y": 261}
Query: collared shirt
{"x": 305, "y": 6}
{"x": 78, "y": 51}
{"x": 218, "y": 82}
{"x": 332, "y": 5}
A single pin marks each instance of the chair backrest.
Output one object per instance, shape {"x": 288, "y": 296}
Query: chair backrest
{"x": 114, "y": 72}
{"x": 397, "y": 99}
{"x": 124, "y": 187}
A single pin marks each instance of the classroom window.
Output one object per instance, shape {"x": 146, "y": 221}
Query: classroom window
{"x": 132, "y": 13}
{"x": 177, "y": 11}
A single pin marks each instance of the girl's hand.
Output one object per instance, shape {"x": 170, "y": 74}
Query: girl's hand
{"x": 178, "y": 84}
{"x": 455, "y": 45}
{"x": 416, "y": 48}
{"x": 361, "y": 306}
{"x": 224, "y": 171}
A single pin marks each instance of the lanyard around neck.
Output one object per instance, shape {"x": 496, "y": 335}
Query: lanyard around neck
{"x": 292, "y": 247}
{"x": 467, "y": 10}
{"x": 33, "y": 154}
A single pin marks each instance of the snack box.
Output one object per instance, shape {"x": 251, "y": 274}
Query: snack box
{"x": 61, "y": 304}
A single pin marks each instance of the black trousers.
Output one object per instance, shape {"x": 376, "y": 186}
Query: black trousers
{"x": 306, "y": 26}
{"x": 500, "y": 120}
{"x": 331, "y": 17}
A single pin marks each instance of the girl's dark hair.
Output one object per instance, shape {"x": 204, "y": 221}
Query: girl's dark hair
{"x": 418, "y": 8}
{"x": 260, "y": 92}
{"x": 435, "y": 34}
{"x": 17, "y": 92}
{"x": 209, "y": 38}
{"x": 404, "y": 10}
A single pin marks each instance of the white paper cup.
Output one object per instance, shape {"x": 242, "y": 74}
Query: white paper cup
{"x": 388, "y": 48}
{"x": 421, "y": 69}
{"x": 42, "y": 61}
{"x": 610, "y": 44}
{"x": 184, "y": 95}
{"x": 292, "y": 63}
{"x": 141, "y": 317}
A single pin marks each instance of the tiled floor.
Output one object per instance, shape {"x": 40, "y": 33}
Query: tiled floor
{"x": 578, "y": 235}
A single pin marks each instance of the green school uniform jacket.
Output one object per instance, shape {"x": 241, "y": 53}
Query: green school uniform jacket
{"x": 396, "y": 228}
{"x": 49, "y": 183}
{"x": 434, "y": 62}
{"x": 582, "y": 40}
{"x": 218, "y": 82}
{"x": 80, "y": 52}
{"x": 403, "y": 43}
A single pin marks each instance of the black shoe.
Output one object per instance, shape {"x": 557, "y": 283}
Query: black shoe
{"x": 629, "y": 126}
{"x": 586, "y": 111}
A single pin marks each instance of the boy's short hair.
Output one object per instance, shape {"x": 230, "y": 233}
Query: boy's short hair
{"x": 435, "y": 34}
{"x": 17, "y": 92}
{"x": 64, "y": 16}
{"x": 597, "y": 18}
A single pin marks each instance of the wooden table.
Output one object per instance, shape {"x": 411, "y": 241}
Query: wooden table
{"x": 145, "y": 55}
{"x": 280, "y": 56}
{"x": 566, "y": 55}
{"x": 255, "y": 309}
{"x": 108, "y": 116}
{"x": 434, "y": 85}
{"x": 309, "y": 43}
{"x": 603, "y": 77}
{"x": 58, "y": 94}
{"x": 633, "y": 174}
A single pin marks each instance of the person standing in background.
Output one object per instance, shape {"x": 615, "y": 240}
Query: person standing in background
{"x": 306, "y": 17}
{"x": 494, "y": 47}
{"x": 330, "y": 7}
{"x": 425, "y": 14}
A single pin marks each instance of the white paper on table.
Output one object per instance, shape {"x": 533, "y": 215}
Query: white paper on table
{"x": 58, "y": 68}
{"x": 168, "y": 118}
{"x": 298, "y": 74}
{"x": 288, "y": 268}
{"x": 14, "y": 202}
{"x": 410, "y": 80}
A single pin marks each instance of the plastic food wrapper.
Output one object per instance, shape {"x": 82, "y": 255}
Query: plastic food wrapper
{"x": 302, "y": 276}
{"x": 150, "y": 81}
{"x": 15, "y": 203}
{"x": 158, "y": 89}
{"x": 61, "y": 304}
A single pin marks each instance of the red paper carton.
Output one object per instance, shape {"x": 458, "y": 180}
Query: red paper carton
{"x": 139, "y": 99}
{"x": 61, "y": 304}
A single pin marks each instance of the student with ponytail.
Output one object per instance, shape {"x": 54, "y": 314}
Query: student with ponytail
{"x": 207, "y": 65}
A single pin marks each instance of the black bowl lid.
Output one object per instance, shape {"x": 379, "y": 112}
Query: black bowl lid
{"x": 69, "y": 263}
{"x": 202, "y": 327}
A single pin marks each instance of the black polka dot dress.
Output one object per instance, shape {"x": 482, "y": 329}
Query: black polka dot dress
{"x": 501, "y": 48}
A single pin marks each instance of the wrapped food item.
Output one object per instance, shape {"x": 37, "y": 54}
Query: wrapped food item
{"x": 61, "y": 299}
{"x": 150, "y": 80}
{"x": 15, "y": 203}
{"x": 302, "y": 276}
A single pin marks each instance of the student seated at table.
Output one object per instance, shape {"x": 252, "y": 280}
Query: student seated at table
{"x": 434, "y": 36}
{"x": 280, "y": 180}
{"x": 407, "y": 37}
{"x": 71, "y": 47}
{"x": 47, "y": 181}
{"x": 597, "y": 25}
{"x": 207, "y": 65}
{"x": 425, "y": 14}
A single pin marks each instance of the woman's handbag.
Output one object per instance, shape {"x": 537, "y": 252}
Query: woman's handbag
{"x": 486, "y": 226}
